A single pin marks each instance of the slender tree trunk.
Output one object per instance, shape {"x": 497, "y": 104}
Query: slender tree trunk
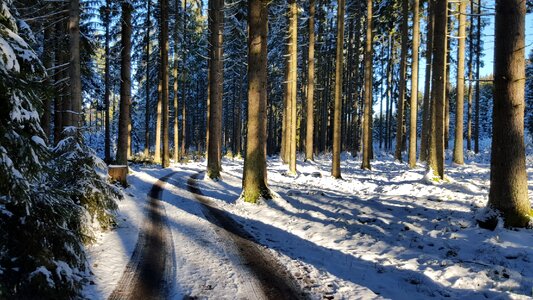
{"x": 147, "y": 104}
{"x": 214, "y": 146}
{"x": 414, "y": 86}
{"x": 175, "y": 86}
{"x": 255, "y": 174}
{"x": 75, "y": 65}
{"x": 310, "y": 85}
{"x": 336, "y": 167}
{"x": 368, "y": 90}
{"x": 403, "y": 82}
{"x": 184, "y": 88}
{"x": 125, "y": 86}
{"x": 447, "y": 98}
{"x": 355, "y": 83}
{"x": 427, "y": 106}
{"x": 478, "y": 58}
{"x": 470, "y": 71}
{"x": 165, "y": 162}
{"x": 107, "y": 83}
{"x": 458, "y": 156}
{"x": 157, "y": 153}
{"x": 509, "y": 188}
{"x": 293, "y": 75}
{"x": 436, "y": 149}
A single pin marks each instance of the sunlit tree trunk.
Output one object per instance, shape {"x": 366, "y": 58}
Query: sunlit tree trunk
{"x": 147, "y": 100}
{"x": 438, "y": 95}
{"x": 414, "y": 86}
{"x": 336, "y": 163}
{"x": 255, "y": 175}
{"x": 509, "y": 188}
{"x": 292, "y": 84}
{"x": 458, "y": 156}
{"x": 367, "y": 119}
{"x": 427, "y": 107}
{"x": 310, "y": 85}
{"x": 165, "y": 162}
{"x": 107, "y": 83}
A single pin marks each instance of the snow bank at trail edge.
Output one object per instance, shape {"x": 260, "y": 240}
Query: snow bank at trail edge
{"x": 110, "y": 254}
{"x": 384, "y": 233}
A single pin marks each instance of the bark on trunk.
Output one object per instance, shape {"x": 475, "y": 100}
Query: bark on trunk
{"x": 436, "y": 149}
{"x": 125, "y": 86}
{"x": 368, "y": 91}
{"x": 427, "y": 107}
{"x": 310, "y": 85}
{"x": 414, "y": 87}
{"x": 458, "y": 156}
{"x": 508, "y": 190}
{"x": 147, "y": 100}
{"x": 214, "y": 146}
{"x": 336, "y": 163}
{"x": 254, "y": 177}
{"x": 165, "y": 161}
{"x": 403, "y": 82}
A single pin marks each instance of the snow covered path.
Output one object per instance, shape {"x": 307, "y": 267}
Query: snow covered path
{"x": 269, "y": 278}
{"x": 148, "y": 275}
{"x": 386, "y": 233}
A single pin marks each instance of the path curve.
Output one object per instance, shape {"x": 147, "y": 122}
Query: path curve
{"x": 274, "y": 279}
{"x": 149, "y": 272}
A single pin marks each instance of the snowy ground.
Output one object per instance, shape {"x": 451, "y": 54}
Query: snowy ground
{"x": 380, "y": 233}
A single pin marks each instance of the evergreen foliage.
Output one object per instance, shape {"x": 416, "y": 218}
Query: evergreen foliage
{"x": 49, "y": 200}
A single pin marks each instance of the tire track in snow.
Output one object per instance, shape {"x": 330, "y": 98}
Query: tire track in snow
{"x": 148, "y": 274}
{"x": 273, "y": 279}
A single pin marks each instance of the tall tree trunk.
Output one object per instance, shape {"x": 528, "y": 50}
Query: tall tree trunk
{"x": 75, "y": 65}
{"x": 255, "y": 174}
{"x": 184, "y": 88}
{"x": 216, "y": 14}
{"x": 427, "y": 106}
{"x": 157, "y": 153}
{"x": 147, "y": 100}
{"x": 293, "y": 77}
{"x": 355, "y": 83}
{"x": 509, "y": 188}
{"x": 388, "y": 108}
{"x": 458, "y": 156}
{"x": 107, "y": 83}
{"x": 403, "y": 82}
{"x": 336, "y": 163}
{"x": 414, "y": 86}
{"x": 175, "y": 84}
{"x": 436, "y": 149}
{"x": 125, "y": 86}
{"x": 447, "y": 98}
{"x": 310, "y": 85}
{"x": 165, "y": 162}
{"x": 368, "y": 91}
{"x": 470, "y": 77}
{"x": 478, "y": 64}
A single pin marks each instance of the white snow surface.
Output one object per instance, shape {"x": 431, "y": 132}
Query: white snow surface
{"x": 385, "y": 233}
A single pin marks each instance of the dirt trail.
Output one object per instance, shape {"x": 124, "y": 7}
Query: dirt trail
{"x": 148, "y": 274}
{"x": 273, "y": 278}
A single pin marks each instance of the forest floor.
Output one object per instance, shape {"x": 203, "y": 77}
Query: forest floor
{"x": 385, "y": 233}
